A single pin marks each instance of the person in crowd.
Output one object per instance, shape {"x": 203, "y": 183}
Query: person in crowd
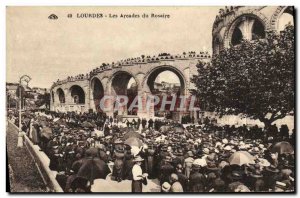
{"x": 138, "y": 176}
{"x": 144, "y": 123}
{"x": 176, "y": 185}
{"x": 150, "y": 123}
{"x": 197, "y": 179}
{"x": 182, "y": 179}
{"x": 118, "y": 169}
{"x": 167, "y": 148}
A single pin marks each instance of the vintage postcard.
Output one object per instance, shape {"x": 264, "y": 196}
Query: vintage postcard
{"x": 150, "y": 99}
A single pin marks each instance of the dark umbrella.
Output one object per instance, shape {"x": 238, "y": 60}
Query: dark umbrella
{"x": 93, "y": 168}
{"x": 282, "y": 147}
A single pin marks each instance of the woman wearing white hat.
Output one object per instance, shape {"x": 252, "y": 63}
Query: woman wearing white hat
{"x": 138, "y": 176}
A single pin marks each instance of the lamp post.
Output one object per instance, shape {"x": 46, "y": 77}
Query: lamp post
{"x": 26, "y": 79}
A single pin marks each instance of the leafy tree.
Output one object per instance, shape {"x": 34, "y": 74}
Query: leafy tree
{"x": 255, "y": 79}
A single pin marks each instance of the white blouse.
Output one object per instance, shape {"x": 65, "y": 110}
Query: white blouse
{"x": 137, "y": 172}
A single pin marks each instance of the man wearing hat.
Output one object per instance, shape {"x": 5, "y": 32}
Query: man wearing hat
{"x": 128, "y": 164}
{"x": 151, "y": 160}
{"x": 197, "y": 180}
{"x": 255, "y": 179}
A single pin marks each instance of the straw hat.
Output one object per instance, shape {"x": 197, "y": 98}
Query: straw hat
{"x": 206, "y": 151}
{"x": 166, "y": 187}
{"x": 138, "y": 159}
{"x": 225, "y": 141}
{"x": 263, "y": 162}
{"x": 218, "y": 144}
{"x": 227, "y": 148}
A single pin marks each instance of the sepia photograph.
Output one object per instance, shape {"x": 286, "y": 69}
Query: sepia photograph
{"x": 156, "y": 99}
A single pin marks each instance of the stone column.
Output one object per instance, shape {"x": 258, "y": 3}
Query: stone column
{"x": 86, "y": 90}
{"x": 246, "y": 27}
{"x": 147, "y": 110}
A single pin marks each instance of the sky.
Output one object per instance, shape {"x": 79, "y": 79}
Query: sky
{"x": 48, "y": 50}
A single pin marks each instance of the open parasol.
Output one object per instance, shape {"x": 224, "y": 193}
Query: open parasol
{"x": 240, "y": 158}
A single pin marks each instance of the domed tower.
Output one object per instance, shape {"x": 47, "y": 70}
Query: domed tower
{"x": 235, "y": 23}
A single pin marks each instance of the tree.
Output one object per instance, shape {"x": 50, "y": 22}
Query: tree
{"x": 43, "y": 99}
{"x": 255, "y": 79}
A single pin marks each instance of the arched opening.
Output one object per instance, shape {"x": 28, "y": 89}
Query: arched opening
{"x": 168, "y": 84}
{"x": 237, "y": 37}
{"x": 98, "y": 92}
{"x": 61, "y": 95}
{"x": 125, "y": 84}
{"x": 217, "y": 45}
{"x": 248, "y": 28}
{"x": 77, "y": 94}
{"x": 258, "y": 30}
{"x": 286, "y": 18}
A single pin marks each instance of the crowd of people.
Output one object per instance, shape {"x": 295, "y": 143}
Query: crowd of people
{"x": 202, "y": 157}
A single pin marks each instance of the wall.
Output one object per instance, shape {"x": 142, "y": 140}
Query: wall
{"x": 42, "y": 161}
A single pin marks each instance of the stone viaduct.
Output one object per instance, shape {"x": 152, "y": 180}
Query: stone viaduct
{"x": 83, "y": 93}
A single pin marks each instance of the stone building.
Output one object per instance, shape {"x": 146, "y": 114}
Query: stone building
{"x": 84, "y": 92}
{"x": 235, "y": 23}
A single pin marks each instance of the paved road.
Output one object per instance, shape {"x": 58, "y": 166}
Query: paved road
{"x": 23, "y": 174}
